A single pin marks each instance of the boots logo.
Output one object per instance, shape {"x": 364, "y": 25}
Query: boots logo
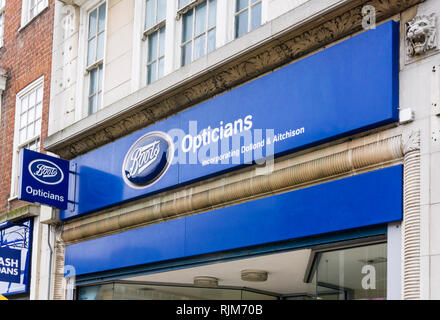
{"x": 46, "y": 172}
{"x": 147, "y": 160}
{"x": 143, "y": 157}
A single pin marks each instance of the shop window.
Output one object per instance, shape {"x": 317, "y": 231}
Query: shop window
{"x": 27, "y": 125}
{"x": 154, "y": 33}
{"x": 355, "y": 273}
{"x": 344, "y": 270}
{"x": 95, "y": 56}
{"x": 198, "y": 31}
{"x": 148, "y": 291}
{"x": 247, "y": 16}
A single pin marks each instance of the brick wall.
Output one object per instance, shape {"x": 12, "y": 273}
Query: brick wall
{"x": 26, "y": 55}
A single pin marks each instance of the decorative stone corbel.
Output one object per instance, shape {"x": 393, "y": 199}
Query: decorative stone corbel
{"x": 421, "y": 35}
{"x": 410, "y": 141}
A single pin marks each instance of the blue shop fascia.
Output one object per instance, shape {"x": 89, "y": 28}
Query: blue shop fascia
{"x": 15, "y": 257}
{"x": 344, "y": 91}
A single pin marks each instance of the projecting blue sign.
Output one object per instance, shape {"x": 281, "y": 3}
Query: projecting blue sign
{"x": 10, "y": 260}
{"x": 345, "y": 89}
{"x": 43, "y": 179}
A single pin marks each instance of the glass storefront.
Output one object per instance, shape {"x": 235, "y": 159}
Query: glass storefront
{"x": 355, "y": 273}
{"x": 137, "y": 291}
{"x": 337, "y": 272}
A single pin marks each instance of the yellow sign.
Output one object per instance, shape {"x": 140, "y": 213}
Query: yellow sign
{"x": 2, "y": 297}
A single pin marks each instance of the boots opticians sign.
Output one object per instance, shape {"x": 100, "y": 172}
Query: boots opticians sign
{"x": 43, "y": 179}
{"x": 342, "y": 90}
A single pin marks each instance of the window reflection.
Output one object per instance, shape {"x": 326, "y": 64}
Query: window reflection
{"x": 355, "y": 273}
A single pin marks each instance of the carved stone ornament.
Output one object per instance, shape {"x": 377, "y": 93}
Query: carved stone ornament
{"x": 410, "y": 141}
{"x": 421, "y": 35}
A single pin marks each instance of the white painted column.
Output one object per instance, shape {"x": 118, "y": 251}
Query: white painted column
{"x": 394, "y": 261}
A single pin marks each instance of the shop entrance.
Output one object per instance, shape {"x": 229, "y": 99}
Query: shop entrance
{"x": 342, "y": 271}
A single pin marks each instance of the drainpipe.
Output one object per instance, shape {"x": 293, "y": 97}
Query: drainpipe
{"x": 50, "y": 261}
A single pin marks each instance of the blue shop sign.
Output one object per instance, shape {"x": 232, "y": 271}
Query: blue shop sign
{"x": 345, "y": 89}
{"x": 369, "y": 199}
{"x": 43, "y": 179}
{"x": 15, "y": 253}
{"x": 10, "y": 260}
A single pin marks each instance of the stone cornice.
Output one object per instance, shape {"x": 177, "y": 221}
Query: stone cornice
{"x": 20, "y": 213}
{"x": 278, "y": 51}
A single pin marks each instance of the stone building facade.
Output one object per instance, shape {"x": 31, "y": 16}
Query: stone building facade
{"x": 352, "y": 208}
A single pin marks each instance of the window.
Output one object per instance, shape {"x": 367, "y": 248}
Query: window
{"x": 198, "y": 31}
{"x": 184, "y": 3}
{"x": 28, "y": 105}
{"x": 156, "y": 55}
{"x": 2, "y": 21}
{"x": 35, "y": 7}
{"x": 155, "y": 14}
{"x": 31, "y": 8}
{"x": 95, "y": 56}
{"x": 247, "y": 16}
{"x": 352, "y": 273}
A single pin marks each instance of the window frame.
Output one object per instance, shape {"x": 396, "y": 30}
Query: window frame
{"x": 96, "y": 63}
{"x": 183, "y": 9}
{"x": 158, "y": 56}
{"x": 36, "y": 4}
{"x": 18, "y": 145}
{"x": 192, "y": 7}
{"x": 149, "y": 32}
{"x": 249, "y": 22}
{"x": 26, "y": 17}
{"x": 99, "y": 83}
{"x": 156, "y": 26}
{"x": 340, "y": 245}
